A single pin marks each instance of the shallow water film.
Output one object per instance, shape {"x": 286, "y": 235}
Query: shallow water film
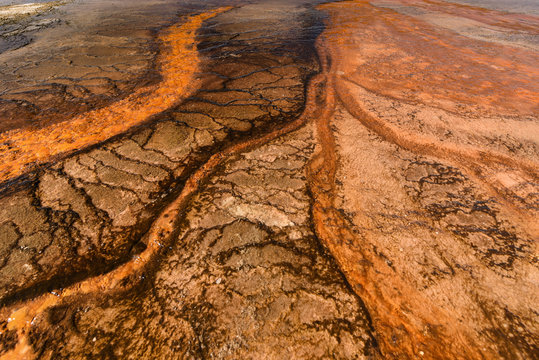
{"x": 269, "y": 179}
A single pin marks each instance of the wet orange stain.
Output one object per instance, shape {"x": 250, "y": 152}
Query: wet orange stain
{"x": 402, "y": 57}
{"x": 20, "y": 149}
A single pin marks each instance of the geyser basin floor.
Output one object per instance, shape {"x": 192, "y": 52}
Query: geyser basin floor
{"x": 354, "y": 181}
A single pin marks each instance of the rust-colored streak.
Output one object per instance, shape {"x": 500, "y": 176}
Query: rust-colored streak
{"x": 402, "y": 58}
{"x": 20, "y": 317}
{"x": 178, "y": 62}
{"x": 406, "y": 324}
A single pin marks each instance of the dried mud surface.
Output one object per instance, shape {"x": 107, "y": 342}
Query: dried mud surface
{"x": 364, "y": 189}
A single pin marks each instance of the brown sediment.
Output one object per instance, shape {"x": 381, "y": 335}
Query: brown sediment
{"x": 20, "y": 317}
{"x": 178, "y": 62}
{"x": 267, "y": 287}
{"x": 86, "y": 214}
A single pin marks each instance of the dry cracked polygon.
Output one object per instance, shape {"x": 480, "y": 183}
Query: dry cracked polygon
{"x": 95, "y": 206}
{"x": 235, "y": 284}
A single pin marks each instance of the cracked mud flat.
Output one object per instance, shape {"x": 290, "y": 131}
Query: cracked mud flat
{"x": 353, "y": 181}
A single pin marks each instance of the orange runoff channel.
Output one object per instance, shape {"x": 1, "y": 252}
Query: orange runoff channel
{"x": 178, "y": 63}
